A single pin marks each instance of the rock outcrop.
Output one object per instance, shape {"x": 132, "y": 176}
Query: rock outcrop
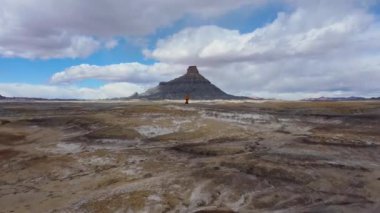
{"x": 192, "y": 84}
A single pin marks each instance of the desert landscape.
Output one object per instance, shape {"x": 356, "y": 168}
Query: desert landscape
{"x": 210, "y": 156}
{"x": 178, "y": 106}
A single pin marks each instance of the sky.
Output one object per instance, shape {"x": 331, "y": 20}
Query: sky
{"x": 283, "y": 49}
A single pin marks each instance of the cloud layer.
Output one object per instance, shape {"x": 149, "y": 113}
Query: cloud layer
{"x": 111, "y": 90}
{"x": 58, "y": 29}
{"x": 315, "y": 49}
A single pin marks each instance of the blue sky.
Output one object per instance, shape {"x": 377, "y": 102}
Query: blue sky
{"x": 277, "y": 49}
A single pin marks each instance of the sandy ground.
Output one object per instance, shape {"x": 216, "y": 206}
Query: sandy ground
{"x": 202, "y": 157}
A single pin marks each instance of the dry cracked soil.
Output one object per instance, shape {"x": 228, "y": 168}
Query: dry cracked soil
{"x": 136, "y": 156}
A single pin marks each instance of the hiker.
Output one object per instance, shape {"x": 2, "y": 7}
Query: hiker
{"x": 187, "y": 97}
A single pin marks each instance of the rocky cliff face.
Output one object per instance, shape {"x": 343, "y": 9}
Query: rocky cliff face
{"x": 192, "y": 84}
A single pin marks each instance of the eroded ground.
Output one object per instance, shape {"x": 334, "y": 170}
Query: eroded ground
{"x": 202, "y": 157}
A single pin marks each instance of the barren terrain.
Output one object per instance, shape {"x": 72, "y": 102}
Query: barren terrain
{"x": 203, "y": 157}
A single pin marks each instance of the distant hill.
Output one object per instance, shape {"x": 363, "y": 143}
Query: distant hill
{"x": 2, "y": 97}
{"x": 192, "y": 84}
{"x": 352, "y": 98}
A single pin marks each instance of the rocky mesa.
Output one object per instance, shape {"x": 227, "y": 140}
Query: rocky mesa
{"x": 191, "y": 84}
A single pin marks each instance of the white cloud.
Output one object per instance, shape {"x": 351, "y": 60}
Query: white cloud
{"x": 58, "y": 29}
{"x": 188, "y": 45}
{"x": 126, "y": 72}
{"x": 298, "y": 34}
{"x": 112, "y": 90}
